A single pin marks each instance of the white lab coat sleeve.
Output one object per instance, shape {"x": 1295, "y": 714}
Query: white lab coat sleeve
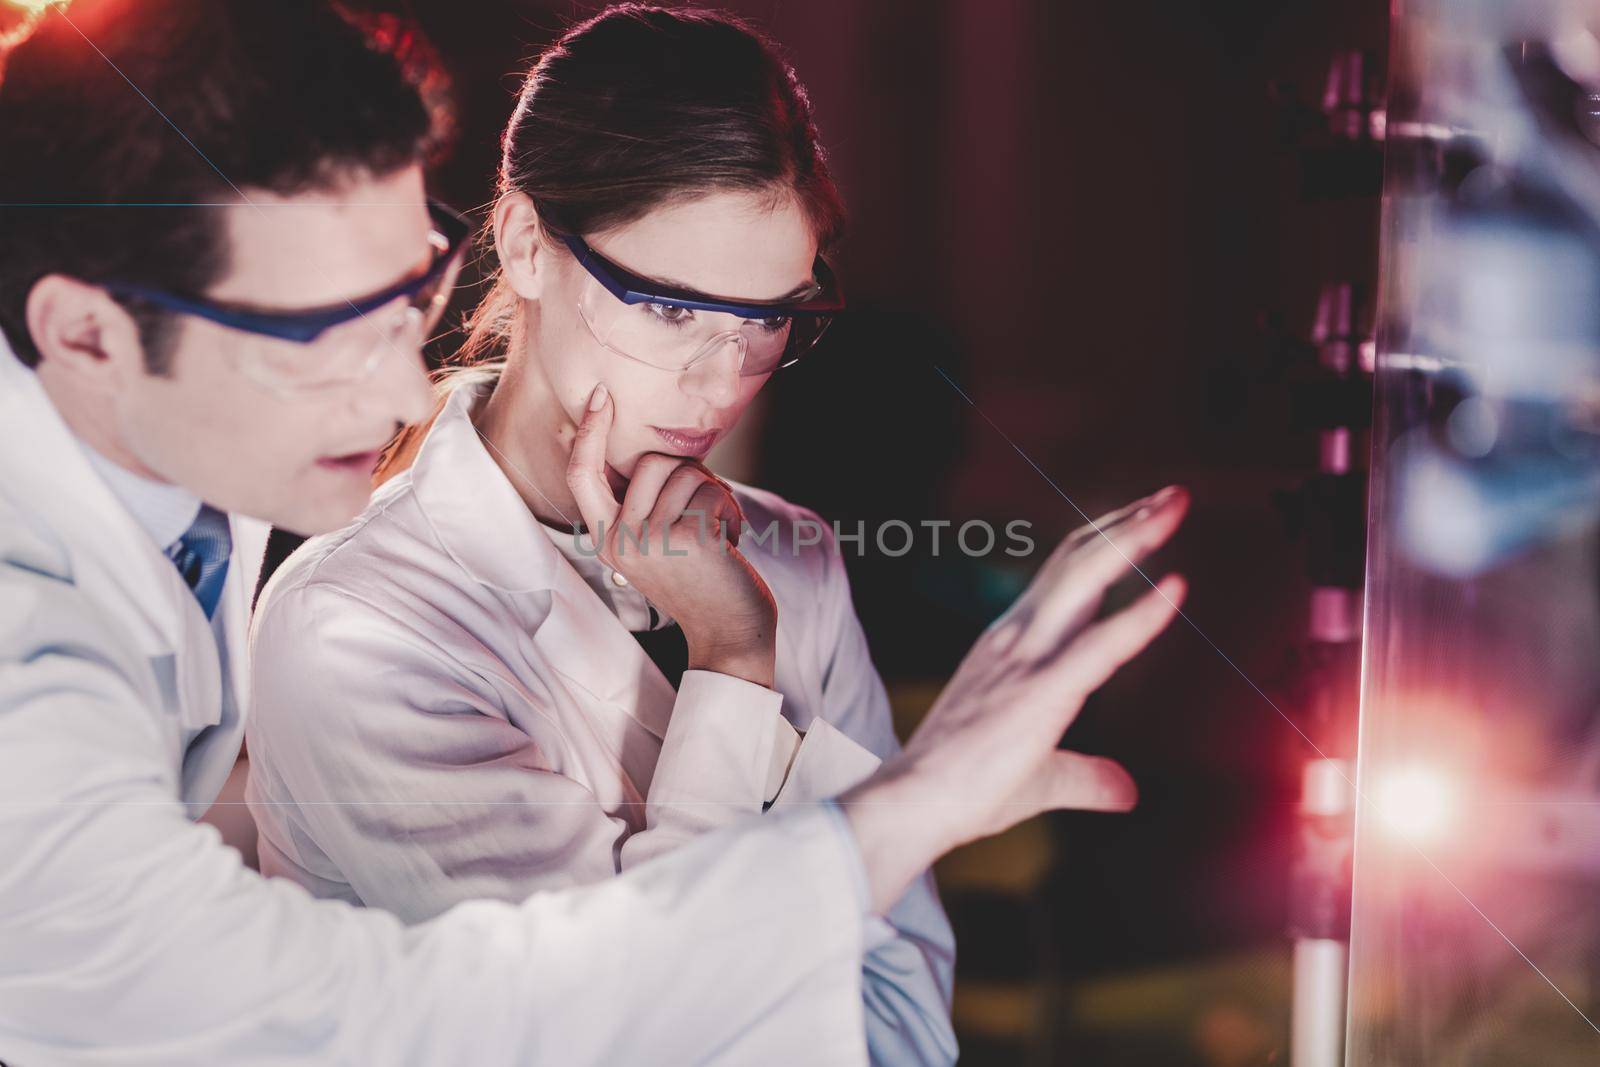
{"x": 130, "y": 935}
{"x": 910, "y": 961}
{"x": 713, "y": 764}
{"x": 391, "y": 763}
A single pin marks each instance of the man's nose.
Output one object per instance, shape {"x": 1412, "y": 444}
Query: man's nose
{"x": 400, "y": 389}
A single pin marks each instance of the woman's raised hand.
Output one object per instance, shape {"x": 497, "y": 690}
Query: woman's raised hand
{"x": 986, "y": 756}
{"x": 673, "y": 536}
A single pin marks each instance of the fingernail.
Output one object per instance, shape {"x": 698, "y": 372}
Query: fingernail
{"x": 597, "y": 399}
{"x": 1153, "y": 503}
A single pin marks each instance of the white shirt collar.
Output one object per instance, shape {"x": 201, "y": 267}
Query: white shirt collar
{"x": 629, "y": 605}
{"x": 483, "y": 523}
{"x": 165, "y": 511}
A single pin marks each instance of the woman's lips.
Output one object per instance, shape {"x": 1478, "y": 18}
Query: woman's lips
{"x": 362, "y": 462}
{"x": 687, "y": 442}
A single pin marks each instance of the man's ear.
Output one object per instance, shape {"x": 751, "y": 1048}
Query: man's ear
{"x": 82, "y": 334}
{"x": 520, "y": 245}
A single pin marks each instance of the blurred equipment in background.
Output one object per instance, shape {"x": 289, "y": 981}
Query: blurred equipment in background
{"x": 1475, "y": 937}
{"x": 1330, "y": 390}
{"x": 1334, "y": 399}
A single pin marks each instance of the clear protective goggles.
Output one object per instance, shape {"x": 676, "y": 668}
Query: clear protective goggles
{"x": 344, "y": 343}
{"x": 349, "y": 353}
{"x": 675, "y": 329}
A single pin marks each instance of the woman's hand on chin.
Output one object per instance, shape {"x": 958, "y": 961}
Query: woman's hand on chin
{"x": 673, "y": 536}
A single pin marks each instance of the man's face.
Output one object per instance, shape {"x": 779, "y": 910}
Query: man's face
{"x": 228, "y": 420}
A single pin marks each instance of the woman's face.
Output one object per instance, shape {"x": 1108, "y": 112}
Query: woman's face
{"x": 729, "y": 244}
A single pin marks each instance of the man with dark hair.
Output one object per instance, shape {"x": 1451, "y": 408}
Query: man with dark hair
{"x": 263, "y": 158}
{"x": 217, "y": 265}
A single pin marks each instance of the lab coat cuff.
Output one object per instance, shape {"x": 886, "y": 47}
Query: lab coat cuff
{"x": 827, "y": 764}
{"x": 718, "y": 746}
{"x": 785, "y": 744}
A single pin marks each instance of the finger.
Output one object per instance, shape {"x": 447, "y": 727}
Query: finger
{"x": 1098, "y": 652}
{"x": 649, "y": 476}
{"x": 735, "y": 517}
{"x": 586, "y": 469}
{"x": 681, "y": 487}
{"x": 1107, "y": 526}
{"x": 1087, "y": 783}
{"x": 1064, "y": 599}
{"x": 1113, "y": 519}
{"x": 644, "y": 487}
{"x": 734, "y": 527}
{"x": 714, "y": 507}
{"x": 735, "y": 524}
{"x": 1094, "y": 529}
{"x": 690, "y": 487}
{"x": 1072, "y": 780}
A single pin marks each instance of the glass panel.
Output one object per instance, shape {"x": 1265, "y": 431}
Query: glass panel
{"x": 1476, "y": 923}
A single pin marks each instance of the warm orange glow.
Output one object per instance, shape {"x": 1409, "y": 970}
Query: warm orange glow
{"x": 35, "y": 5}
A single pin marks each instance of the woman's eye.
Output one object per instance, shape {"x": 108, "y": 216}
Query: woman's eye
{"x": 670, "y": 313}
{"x": 773, "y": 325}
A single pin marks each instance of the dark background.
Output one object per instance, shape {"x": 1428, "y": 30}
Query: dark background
{"x": 1106, "y": 223}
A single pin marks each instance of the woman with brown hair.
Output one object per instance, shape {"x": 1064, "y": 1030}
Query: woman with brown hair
{"x": 462, "y": 695}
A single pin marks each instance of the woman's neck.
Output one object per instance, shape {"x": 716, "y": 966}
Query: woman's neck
{"x": 530, "y": 437}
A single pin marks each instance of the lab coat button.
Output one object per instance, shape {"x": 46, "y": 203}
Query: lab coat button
{"x": 618, "y": 579}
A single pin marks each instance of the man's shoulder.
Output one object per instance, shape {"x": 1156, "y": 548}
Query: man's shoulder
{"x": 46, "y": 612}
{"x": 27, "y": 544}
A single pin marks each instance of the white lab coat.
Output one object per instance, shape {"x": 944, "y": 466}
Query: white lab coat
{"x": 444, "y": 709}
{"x": 131, "y": 935}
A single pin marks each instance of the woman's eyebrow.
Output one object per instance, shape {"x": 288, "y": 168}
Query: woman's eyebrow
{"x": 804, "y": 288}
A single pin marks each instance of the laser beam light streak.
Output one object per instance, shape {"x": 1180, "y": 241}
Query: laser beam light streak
{"x": 1417, "y": 804}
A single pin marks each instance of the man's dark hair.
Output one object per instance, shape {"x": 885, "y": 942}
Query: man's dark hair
{"x": 108, "y": 106}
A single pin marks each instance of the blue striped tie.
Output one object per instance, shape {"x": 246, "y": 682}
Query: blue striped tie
{"x": 201, "y": 556}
